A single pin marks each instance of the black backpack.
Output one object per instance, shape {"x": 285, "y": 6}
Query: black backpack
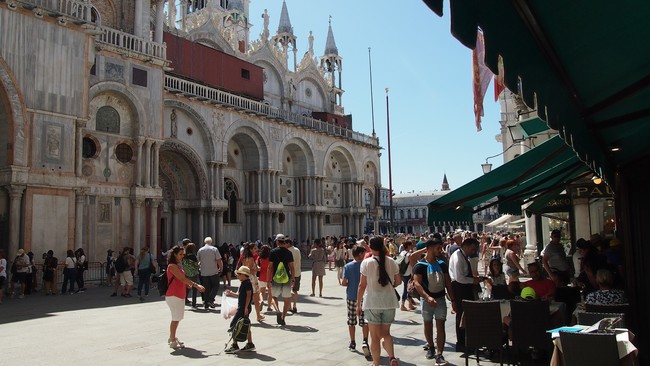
{"x": 163, "y": 284}
{"x": 120, "y": 264}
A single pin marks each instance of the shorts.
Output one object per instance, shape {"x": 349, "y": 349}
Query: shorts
{"x": 2, "y": 282}
{"x": 281, "y": 290}
{"x": 379, "y": 316}
{"x": 352, "y": 314}
{"x": 126, "y": 278}
{"x": 19, "y": 277}
{"x": 296, "y": 284}
{"x": 439, "y": 312}
{"x": 256, "y": 284}
{"x": 177, "y": 307}
{"x": 262, "y": 284}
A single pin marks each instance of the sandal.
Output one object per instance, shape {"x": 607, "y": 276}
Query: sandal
{"x": 261, "y": 318}
{"x": 393, "y": 362}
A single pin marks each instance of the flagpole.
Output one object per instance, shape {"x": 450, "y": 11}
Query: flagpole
{"x": 372, "y": 104}
{"x": 390, "y": 172}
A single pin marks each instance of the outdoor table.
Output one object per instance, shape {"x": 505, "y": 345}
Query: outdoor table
{"x": 627, "y": 352}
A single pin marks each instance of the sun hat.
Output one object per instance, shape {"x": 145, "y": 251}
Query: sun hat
{"x": 21, "y": 251}
{"x": 280, "y": 237}
{"x": 244, "y": 270}
{"x": 528, "y": 293}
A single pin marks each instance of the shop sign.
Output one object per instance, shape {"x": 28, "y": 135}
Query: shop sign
{"x": 591, "y": 191}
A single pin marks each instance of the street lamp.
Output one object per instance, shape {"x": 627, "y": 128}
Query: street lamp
{"x": 487, "y": 167}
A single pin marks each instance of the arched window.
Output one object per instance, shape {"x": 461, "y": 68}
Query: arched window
{"x": 408, "y": 213}
{"x": 424, "y": 213}
{"x": 401, "y": 214}
{"x": 417, "y": 213}
{"x": 231, "y": 195}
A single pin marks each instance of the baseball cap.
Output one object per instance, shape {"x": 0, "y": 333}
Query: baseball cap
{"x": 528, "y": 293}
{"x": 280, "y": 237}
{"x": 186, "y": 241}
{"x": 421, "y": 244}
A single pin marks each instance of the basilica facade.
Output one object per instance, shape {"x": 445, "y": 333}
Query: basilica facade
{"x": 141, "y": 122}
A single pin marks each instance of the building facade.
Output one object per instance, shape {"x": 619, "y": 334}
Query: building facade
{"x": 140, "y": 122}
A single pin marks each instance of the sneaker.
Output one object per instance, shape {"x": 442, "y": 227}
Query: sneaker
{"x": 352, "y": 345}
{"x": 280, "y": 320}
{"x": 440, "y": 360}
{"x": 294, "y": 310}
{"x": 249, "y": 347}
{"x": 366, "y": 350}
{"x": 232, "y": 349}
{"x": 430, "y": 354}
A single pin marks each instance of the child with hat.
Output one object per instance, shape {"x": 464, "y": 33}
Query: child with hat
{"x": 244, "y": 297}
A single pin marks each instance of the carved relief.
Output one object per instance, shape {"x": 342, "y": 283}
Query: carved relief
{"x": 114, "y": 72}
{"x": 104, "y": 212}
{"x": 196, "y": 164}
{"x": 53, "y": 142}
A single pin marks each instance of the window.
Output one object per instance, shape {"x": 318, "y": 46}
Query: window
{"x": 401, "y": 214}
{"x": 124, "y": 153}
{"x": 417, "y": 213}
{"x": 107, "y": 119}
{"x": 230, "y": 194}
{"x": 408, "y": 214}
{"x": 89, "y": 148}
{"x": 327, "y": 219}
{"x": 139, "y": 77}
{"x": 245, "y": 74}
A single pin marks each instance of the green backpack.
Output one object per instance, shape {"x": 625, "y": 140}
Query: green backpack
{"x": 190, "y": 267}
{"x": 281, "y": 275}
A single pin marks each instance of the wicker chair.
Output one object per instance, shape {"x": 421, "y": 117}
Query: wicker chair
{"x": 587, "y": 318}
{"x": 530, "y": 321}
{"x": 483, "y": 327}
{"x": 589, "y": 349}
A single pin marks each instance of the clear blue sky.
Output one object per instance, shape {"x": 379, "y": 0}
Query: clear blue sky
{"x": 429, "y": 76}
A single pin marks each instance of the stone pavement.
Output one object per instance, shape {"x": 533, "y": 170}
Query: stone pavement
{"x": 92, "y": 328}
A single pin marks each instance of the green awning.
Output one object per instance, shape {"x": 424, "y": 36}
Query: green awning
{"x": 548, "y": 166}
{"x": 532, "y": 126}
{"x": 583, "y": 64}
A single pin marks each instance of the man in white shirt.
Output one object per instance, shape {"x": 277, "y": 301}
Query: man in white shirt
{"x": 462, "y": 283}
{"x": 296, "y": 278}
{"x": 211, "y": 265}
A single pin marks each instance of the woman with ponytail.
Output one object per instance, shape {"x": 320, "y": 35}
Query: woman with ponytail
{"x": 377, "y": 298}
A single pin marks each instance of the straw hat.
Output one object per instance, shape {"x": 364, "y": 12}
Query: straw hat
{"x": 244, "y": 270}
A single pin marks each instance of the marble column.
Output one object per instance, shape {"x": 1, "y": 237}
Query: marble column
{"x": 268, "y": 229}
{"x": 15, "y": 214}
{"x": 137, "y": 22}
{"x": 160, "y": 18}
{"x": 156, "y": 163}
{"x": 218, "y": 235}
{"x": 80, "y": 199}
{"x": 321, "y": 218}
{"x": 189, "y": 232}
{"x": 140, "y": 163}
{"x": 153, "y": 227}
{"x": 175, "y": 214}
{"x": 147, "y": 163}
{"x": 211, "y": 223}
{"x": 136, "y": 221}
{"x": 314, "y": 227}
{"x": 201, "y": 225}
{"x": 258, "y": 185}
{"x": 247, "y": 187}
{"x": 79, "y": 126}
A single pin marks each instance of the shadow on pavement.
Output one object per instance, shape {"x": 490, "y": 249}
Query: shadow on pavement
{"x": 307, "y": 314}
{"x": 255, "y": 355}
{"x": 189, "y": 353}
{"x": 299, "y": 329}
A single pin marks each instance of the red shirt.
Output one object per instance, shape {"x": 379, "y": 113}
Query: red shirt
{"x": 542, "y": 288}
{"x": 176, "y": 287}
{"x": 264, "y": 266}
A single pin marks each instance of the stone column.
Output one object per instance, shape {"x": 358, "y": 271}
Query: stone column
{"x": 175, "y": 215}
{"x": 137, "y": 22}
{"x": 188, "y": 225}
{"x": 147, "y": 163}
{"x": 156, "y": 163}
{"x": 211, "y": 223}
{"x": 80, "y": 199}
{"x": 581, "y": 218}
{"x": 15, "y": 215}
{"x": 258, "y": 186}
{"x": 140, "y": 163}
{"x": 136, "y": 220}
{"x": 314, "y": 227}
{"x": 218, "y": 235}
{"x": 153, "y": 227}
{"x": 274, "y": 223}
{"x": 160, "y": 18}
{"x": 321, "y": 218}
{"x": 247, "y": 187}
{"x": 79, "y": 126}
{"x": 530, "y": 251}
{"x": 201, "y": 225}
{"x": 220, "y": 181}
{"x": 212, "y": 176}
{"x": 268, "y": 229}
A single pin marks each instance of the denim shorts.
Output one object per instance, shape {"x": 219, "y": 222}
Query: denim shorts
{"x": 439, "y": 312}
{"x": 379, "y": 316}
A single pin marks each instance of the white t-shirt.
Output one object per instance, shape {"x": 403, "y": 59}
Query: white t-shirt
{"x": 297, "y": 259}
{"x": 70, "y": 262}
{"x": 376, "y": 295}
{"x": 3, "y": 268}
{"x": 409, "y": 269}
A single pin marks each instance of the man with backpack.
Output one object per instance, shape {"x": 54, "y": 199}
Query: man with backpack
{"x": 431, "y": 278}
{"x": 123, "y": 265}
{"x": 281, "y": 274}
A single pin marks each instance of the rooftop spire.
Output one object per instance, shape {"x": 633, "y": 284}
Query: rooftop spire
{"x": 330, "y": 44}
{"x": 445, "y": 184}
{"x": 285, "y": 23}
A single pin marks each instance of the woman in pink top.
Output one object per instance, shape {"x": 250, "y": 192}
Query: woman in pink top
{"x": 175, "y": 295}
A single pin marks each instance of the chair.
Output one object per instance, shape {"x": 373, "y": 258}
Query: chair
{"x": 483, "y": 327}
{"x": 530, "y": 321}
{"x": 610, "y": 308}
{"x": 589, "y": 349}
{"x": 586, "y": 318}
{"x": 500, "y": 292}
{"x": 571, "y": 297}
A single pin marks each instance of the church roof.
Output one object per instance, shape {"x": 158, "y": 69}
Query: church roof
{"x": 285, "y": 23}
{"x": 330, "y": 44}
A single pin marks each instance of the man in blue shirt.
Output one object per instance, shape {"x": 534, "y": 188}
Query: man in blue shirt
{"x": 351, "y": 278}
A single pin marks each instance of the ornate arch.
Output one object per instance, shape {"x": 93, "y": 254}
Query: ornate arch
{"x": 16, "y": 112}
{"x": 254, "y": 132}
{"x": 194, "y": 161}
{"x": 207, "y": 34}
{"x": 130, "y": 98}
{"x": 206, "y": 132}
{"x": 341, "y": 150}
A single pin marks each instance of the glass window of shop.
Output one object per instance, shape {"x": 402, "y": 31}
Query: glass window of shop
{"x": 602, "y": 217}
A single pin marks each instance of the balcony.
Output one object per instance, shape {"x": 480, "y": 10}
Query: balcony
{"x": 219, "y": 97}
{"x": 130, "y": 45}
{"x": 76, "y": 10}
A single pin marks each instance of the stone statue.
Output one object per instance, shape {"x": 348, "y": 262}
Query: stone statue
{"x": 311, "y": 43}
{"x": 174, "y": 125}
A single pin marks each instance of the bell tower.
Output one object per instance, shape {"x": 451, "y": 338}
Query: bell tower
{"x": 332, "y": 65}
{"x": 285, "y": 37}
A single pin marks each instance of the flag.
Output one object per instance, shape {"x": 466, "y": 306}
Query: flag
{"x": 481, "y": 78}
{"x": 499, "y": 81}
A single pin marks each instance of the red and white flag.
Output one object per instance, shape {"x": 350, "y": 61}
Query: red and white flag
{"x": 481, "y": 78}
{"x": 499, "y": 81}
